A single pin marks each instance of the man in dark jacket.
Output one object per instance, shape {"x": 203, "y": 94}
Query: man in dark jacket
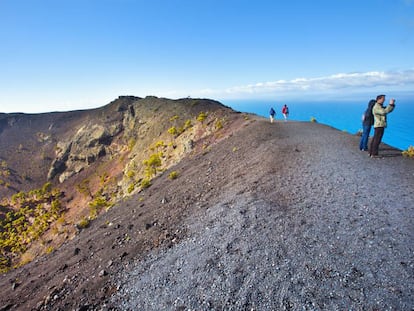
{"x": 367, "y": 123}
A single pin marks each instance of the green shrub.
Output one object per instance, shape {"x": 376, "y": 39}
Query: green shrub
{"x": 83, "y": 188}
{"x": 49, "y": 249}
{"x": 98, "y": 203}
{"x": 4, "y": 264}
{"x": 187, "y": 124}
{"x": 83, "y": 223}
{"x": 131, "y": 143}
{"x": 173, "y": 118}
{"x": 159, "y": 144}
{"x": 409, "y": 152}
{"x": 56, "y": 208}
{"x": 145, "y": 183}
{"x": 130, "y": 174}
{"x": 47, "y": 187}
{"x": 104, "y": 178}
{"x": 173, "y": 175}
{"x": 201, "y": 117}
{"x": 218, "y": 125}
{"x": 152, "y": 164}
{"x": 173, "y": 131}
{"x": 131, "y": 188}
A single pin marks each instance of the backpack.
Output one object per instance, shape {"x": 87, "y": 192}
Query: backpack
{"x": 368, "y": 117}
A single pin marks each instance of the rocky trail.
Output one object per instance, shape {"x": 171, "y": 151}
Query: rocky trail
{"x": 300, "y": 220}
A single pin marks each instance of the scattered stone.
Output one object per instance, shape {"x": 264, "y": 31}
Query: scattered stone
{"x": 123, "y": 255}
{"x": 102, "y": 273}
{"x": 15, "y": 285}
{"x": 6, "y": 307}
{"x": 83, "y": 308}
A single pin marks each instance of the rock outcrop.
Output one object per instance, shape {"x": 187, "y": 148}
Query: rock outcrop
{"x": 88, "y": 144}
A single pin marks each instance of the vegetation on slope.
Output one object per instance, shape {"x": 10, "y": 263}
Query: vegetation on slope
{"x": 149, "y": 136}
{"x": 30, "y": 216}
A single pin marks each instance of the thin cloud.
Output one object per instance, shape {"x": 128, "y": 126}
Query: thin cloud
{"x": 350, "y": 82}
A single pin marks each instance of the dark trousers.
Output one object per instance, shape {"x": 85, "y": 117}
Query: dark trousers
{"x": 376, "y": 140}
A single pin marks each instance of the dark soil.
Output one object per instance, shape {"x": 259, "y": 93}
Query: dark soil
{"x": 284, "y": 216}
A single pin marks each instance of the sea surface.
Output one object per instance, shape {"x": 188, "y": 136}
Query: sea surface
{"x": 344, "y": 116}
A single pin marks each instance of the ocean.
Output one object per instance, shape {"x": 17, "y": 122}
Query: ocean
{"x": 344, "y": 116}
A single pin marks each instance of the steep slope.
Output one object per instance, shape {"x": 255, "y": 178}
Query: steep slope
{"x": 281, "y": 216}
{"x": 59, "y": 171}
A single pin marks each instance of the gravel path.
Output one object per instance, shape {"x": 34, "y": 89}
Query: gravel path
{"x": 288, "y": 216}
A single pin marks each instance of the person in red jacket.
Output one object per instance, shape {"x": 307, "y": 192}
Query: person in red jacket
{"x": 285, "y": 112}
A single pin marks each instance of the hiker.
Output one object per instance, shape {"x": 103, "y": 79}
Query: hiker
{"x": 367, "y": 123}
{"x": 380, "y": 123}
{"x": 272, "y": 114}
{"x": 285, "y": 112}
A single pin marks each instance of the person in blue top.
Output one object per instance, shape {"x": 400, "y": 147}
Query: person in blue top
{"x": 367, "y": 123}
{"x": 272, "y": 113}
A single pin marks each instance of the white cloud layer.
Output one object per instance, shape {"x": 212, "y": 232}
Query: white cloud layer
{"x": 338, "y": 83}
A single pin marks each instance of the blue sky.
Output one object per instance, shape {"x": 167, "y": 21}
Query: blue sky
{"x": 78, "y": 54}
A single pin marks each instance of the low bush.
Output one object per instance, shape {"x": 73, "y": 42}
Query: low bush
{"x": 50, "y": 249}
{"x": 218, "y": 125}
{"x": 130, "y": 174}
{"x": 409, "y": 152}
{"x": 131, "y": 143}
{"x": 98, "y": 203}
{"x": 152, "y": 164}
{"x": 173, "y": 131}
{"x": 201, "y": 117}
{"x": 131, "y": 188}
{"x": 145, "y": 183}
{"x": 187, "y": 124}
{"x": 83, "y": 188}
{"x": 173, "y": 175}
{"x": 83, "y": 223}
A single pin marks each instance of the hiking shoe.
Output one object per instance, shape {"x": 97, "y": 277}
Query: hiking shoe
{"x": 376, "y": 156}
